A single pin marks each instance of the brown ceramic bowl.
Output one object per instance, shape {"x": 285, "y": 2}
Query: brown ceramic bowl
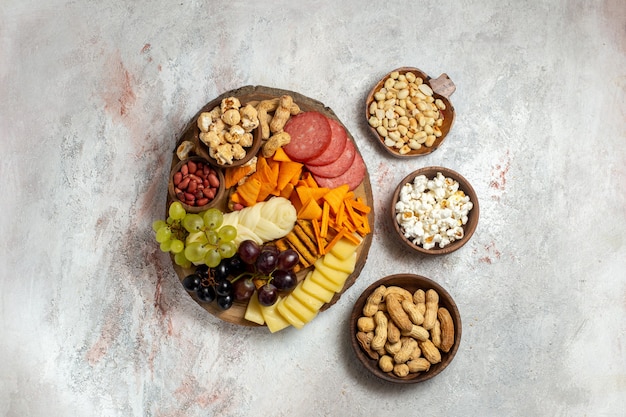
{"x": 411, "y": 283}
{"x": 442, "y": 88}
{"x": 468, "y": 228}
{"x": 172, "y": 190}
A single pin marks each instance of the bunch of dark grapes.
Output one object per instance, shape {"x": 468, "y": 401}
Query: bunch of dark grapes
{"x": 212, "y": 284}
{"x": 268, "y": 265}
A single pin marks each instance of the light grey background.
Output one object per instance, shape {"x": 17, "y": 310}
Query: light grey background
{"x": 93, "y": 95}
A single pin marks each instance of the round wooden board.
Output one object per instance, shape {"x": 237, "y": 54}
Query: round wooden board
{"x": 247, "y": 94}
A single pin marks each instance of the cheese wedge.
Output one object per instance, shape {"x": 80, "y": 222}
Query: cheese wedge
{"x": 253, "y": 311}
{"x": 338, "y": 278}
{"x": 288, "y": 314}
{"x": 343, "y": 249}
{"x": 274, "y": 321}
{"x": 298, "y": 309}
{"x": 316, "y": 290}
{"x": 344, "y": 265}
{"x": 307, "y": 300}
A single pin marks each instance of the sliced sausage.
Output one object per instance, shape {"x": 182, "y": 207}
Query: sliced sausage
{"x": 338, "y": 167}
{"x": 353, "y": 176}
{"x": 336, "y": 146}
{"x": 310, "y": 136}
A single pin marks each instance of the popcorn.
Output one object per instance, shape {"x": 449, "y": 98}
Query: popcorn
{"x": 432, "y": 212}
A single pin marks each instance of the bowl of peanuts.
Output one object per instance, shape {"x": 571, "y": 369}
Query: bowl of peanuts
{"x": 434, "y": 211}
{"x": 405, "y": 328}
{"x": 409, "y": 112}
{"x": 196, "y": 184}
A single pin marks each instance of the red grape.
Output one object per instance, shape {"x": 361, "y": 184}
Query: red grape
{"x": 249, "y": 251}
{"x": 287, "y": 259}
{"x": 268, "y": 294}
{"x": 284, "y": 280}
{"x": 243, "y": 289}
{"x": 266, "y": 262}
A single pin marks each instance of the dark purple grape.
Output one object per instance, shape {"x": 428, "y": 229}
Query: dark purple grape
{"x": 221, "y": 271}
{"x": 249, "y": 251}
{"x": 192, "y": 282}
{"x": 225, "y": 301}
{"x": 236, "y": 266}
{"x": 287, "y": 259}
{"x": 223, "y": 287}
{"x": 284, "y": 280}
{"x": 266, "y": 262}
{"x": 202, "y": 270}
{"x": 206, "y": 293}
{"x": 268, "y": 294}
{"x": 270, "y": 247}
{"x": 243, "y": 289}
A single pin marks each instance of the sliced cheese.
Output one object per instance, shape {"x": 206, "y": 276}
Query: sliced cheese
{"x": 344, "y": 265}
{"x": 338, "y": 278}
{"x": 298, "y": 309}
{"x": 316, "y": 290}
{"x": 253, "y": 311}
{"x": 319, "y": 278}
{"x": 288, "y": 314}
{"x": 343, "y": 248}
{"x": 274, "y": 321}
{"x": 307, "y": 300}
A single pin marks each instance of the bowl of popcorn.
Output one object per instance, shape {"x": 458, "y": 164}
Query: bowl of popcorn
{"x": 434, "y": 210}
{"x": 405, "y": 328}
{"x": 196, "y": 184}
{"x": 409, "y": 112}
{"x": 227, "y": 132}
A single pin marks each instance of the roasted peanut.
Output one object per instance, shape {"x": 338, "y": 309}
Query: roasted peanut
{"x": 277, "y": 140}
{"x": 417, "y": 332}
{"x": 406, "y": 350}
{"x": 447, "y": 329}
{"x": 418, "y": 365}
{"x": 365, "y": 340}
{"x": 393, "y": 333}
{"x": 430, "y": 352}
{"x": 380, "y": 333}
{"x": 401, "y": 369}
{"x": 365, "y": 324}
{"x": 435, "y": 334}
{"x": 411, "y": 310}
{"x": 372, "y": 302}
{"x": 404, "y": 294}
{"x": 393, "y": 347}
{"x": 432, "y": 305}
{"x": 386, "y": 363}
{"x": 281, "y": 114}
{"x": 397, "y": 313}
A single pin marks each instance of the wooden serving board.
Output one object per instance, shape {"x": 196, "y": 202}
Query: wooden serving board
{"x": 247, "y": 94}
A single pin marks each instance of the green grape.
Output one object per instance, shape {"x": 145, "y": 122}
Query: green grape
{"x": 180, "y": 260}
{"x": 193, "y": 222}
{"x": 213, "y": 218}
{"x": 177, "y": 211}
{"x": 212, "y": 238}
{"x": 157, "y": 224}
{"x": 212, "y": 258}
{"x": 195, "y": 252}
{"x": 169, "y": 220}
{"x": 163, "y": 234}
{"x": 196, "y": 237}
{"x": 227, "y": 233}
{"x": 166, "y": 246}
{"x": 177, "y": 246}
{"x": 227, "y": 249}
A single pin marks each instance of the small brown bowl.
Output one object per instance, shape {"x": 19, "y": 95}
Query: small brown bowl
{"x": 442, "y": 88}
{"x": 219, "y": 193}
{"x": 468, "y": 228}
{"x": 411, "y": 283}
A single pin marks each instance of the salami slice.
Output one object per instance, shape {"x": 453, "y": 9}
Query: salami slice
{"x": 338, "y": 167}
{"x": 337, "y": 145}
{"x": 353, "y": 176}
{"x": 310, "y": 136}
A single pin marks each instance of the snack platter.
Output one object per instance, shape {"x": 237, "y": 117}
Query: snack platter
{"x": 362, "y": 192}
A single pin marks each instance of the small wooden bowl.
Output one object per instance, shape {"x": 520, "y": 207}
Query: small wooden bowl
{"x": 442, "y": 88}
{"x": 468, "y": 228}
{"x": 411, "y": 283}
{"x": 218, "y": 195}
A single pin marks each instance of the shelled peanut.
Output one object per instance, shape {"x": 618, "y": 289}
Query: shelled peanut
{"x": 405, "y": 113}
{"x": 196, "y": 183}
{"x": 405, "y": 332}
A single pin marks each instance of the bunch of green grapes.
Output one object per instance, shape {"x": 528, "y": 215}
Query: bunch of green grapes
{"x": 195, "y": 238}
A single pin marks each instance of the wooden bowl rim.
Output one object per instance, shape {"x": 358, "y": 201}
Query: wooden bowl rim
{"x": 449, "y": 113}
{"x": 445, "y": 300}
{"x": 469, "y": 227}
{"x": 218, "y": 195}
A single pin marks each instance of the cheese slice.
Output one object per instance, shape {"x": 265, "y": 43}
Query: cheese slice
{"x": 319, "y": 278}
{"x": 298, "y": 309}
{"x": 316, "y": 290}
{"x": 307, "y": 300}
{"x": 344, "y": 265}
{"x": 343, "y": 248}
{"x": 288, "y": 314}
{"x": 338, "y": 278}
{"x": 274, "y": 321}
{"x": 253, "y": 311}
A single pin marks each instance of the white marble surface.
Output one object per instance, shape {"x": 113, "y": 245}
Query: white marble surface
{"x": 93, "y": 94}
